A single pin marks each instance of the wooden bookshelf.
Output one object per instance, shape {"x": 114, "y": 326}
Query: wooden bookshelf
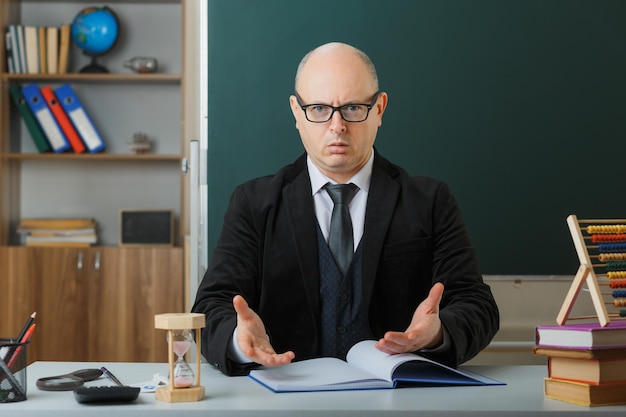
{"x": 150, "y": 103}
{"x": 97, "y": 298}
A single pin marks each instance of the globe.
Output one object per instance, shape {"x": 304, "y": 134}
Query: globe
{"x": 95, "y": 31}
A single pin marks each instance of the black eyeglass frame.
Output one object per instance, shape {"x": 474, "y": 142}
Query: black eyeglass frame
{"x": 368, "y": 106}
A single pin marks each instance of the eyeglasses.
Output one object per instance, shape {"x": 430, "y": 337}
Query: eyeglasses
{"x": 352, "y": 112}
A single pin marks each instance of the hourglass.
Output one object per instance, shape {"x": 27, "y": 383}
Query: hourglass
{"x": 184, "y": 385}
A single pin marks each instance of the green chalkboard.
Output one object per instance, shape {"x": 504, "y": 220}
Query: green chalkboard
{"x": 519, "y": 105}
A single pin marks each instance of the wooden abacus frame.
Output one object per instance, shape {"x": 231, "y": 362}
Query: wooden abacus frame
{"x": 585, "y": 274}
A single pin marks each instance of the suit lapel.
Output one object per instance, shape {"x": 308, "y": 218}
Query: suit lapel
{"x": 383, "y": 194}
{"x": 301, "y": 217}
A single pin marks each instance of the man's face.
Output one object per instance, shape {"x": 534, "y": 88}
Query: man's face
{"x": 338, "y": 148}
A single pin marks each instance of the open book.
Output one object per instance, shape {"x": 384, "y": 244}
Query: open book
{"x": 365, "y": 368}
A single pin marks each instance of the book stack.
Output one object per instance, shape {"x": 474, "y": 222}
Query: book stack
{"x": 586, "y": 362}
{"x": 56, "y": 119}
{"x": 74, "y": 232}
{"x": 37, "y": 49}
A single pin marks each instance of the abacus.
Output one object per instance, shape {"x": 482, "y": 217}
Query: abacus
{"x": 604, "y": 242}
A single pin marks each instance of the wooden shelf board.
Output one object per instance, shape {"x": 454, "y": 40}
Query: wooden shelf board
{"x": 94, "y": 78}
{"x": 92, "y": 157}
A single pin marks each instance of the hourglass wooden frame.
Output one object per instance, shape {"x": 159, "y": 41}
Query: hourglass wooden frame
{"x": 180, "y": 321}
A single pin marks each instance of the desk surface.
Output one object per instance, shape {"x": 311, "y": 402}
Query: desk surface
{"x": 241, "y": 396}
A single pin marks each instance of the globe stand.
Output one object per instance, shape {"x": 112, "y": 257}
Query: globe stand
{"x": 180, "y": 321}
{"x": 93, "y": 67}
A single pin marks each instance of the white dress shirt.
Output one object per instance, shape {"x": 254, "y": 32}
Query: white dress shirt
{"x": 324, "y": 204}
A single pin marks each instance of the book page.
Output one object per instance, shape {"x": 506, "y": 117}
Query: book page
{"x": 320, "y": 374}
{"x": 409, "y": 367}
{"x": 365, "y": 356}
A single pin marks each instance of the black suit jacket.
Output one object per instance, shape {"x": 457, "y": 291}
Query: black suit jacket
{"x": 414, "y": 236}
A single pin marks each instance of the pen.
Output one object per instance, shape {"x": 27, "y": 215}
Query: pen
{"x": 111, "y": 376}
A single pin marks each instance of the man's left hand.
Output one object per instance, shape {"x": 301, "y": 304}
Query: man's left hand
{"x": 425, "y": 330}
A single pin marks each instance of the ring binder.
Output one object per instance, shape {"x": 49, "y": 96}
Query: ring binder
{"x": 44, "y": 116}
{"x": 77, "y": 114}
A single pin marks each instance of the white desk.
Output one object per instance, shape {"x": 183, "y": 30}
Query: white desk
{"x": 241, "y": 396}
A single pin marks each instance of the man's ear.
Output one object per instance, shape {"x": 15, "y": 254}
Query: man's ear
{"x": 295, "y": 108}
{"x": 381, "y": 105}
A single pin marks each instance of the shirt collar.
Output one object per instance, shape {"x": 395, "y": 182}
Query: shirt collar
{"x": 361, "y": 179}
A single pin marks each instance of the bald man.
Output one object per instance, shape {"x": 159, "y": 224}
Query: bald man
{"x": 274, "y": 292}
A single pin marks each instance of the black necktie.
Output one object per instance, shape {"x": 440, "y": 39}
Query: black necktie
{"x": 340, "y": 239}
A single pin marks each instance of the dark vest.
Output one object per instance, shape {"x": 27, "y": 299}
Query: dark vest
{"x": 343, "y": 319}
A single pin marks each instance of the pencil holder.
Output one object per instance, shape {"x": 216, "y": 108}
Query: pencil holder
{"x": 12, "y": 370}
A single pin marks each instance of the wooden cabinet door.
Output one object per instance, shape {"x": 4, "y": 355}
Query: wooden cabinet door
{"x": 131, "y": 285}
{"x": 105, "y": 298}
{"x": 17, "y": 293}
{"x": 48, "y": 281}
{"x": 61, "y": 303}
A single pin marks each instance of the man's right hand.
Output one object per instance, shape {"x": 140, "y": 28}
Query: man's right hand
{"x": 252, "y": 337}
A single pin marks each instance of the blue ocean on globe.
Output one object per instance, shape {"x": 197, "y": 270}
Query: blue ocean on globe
{"x": 95, "y": 30}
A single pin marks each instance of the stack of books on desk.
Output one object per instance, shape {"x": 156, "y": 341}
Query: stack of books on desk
{"x": 74, "y": 232}
{"x": 586, "y": 362}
